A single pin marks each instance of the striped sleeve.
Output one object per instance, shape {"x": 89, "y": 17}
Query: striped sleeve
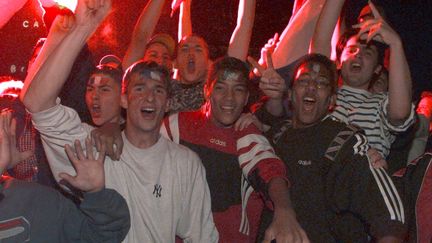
{"x": 401, "y": 128}
{"x": 258, "y": 160}
{"x": 372, "y": 194}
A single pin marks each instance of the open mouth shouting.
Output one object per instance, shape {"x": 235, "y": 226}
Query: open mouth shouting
{"x": 355, "y": 66}
{"x": 309, "y": 103}
{"x": 148, "y": 113}
{"x": 191, "y": 66}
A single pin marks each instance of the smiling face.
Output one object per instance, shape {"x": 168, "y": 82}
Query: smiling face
{"x": 192, "y": 59}
{"x": 103, "y": 99}
{"x": 146, "y": 101}
{"x": 358, "y": 63}
{"x": 311, "y": 95}
{"x": 228, "y": 96}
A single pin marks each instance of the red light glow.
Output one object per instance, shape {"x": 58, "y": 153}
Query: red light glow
{"x": 70, "y": 4}
{"x": 7, "y": 88}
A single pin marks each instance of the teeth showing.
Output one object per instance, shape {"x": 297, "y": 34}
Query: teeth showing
{"x": 95, "y": 108}
{"x": 228, "y": 108}
{"x": 148, "y": 110}
{"x": 356, "y": 65}
{"x": 308, "y": 99}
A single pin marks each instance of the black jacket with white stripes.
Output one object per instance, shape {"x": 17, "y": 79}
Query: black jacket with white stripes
{"x": 337, "y": 195}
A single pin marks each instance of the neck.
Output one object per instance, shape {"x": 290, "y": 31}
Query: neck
{"x": 141, "y": 139}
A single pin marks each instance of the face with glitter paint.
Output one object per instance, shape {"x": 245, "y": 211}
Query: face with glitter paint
{"x": 103, "y": 99}
{"x": 311, "y": 95}
{"x": 228, "y": 97}
{"x": 146, "y": 101}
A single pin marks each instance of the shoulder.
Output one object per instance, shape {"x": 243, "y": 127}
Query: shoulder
{"x": 347, "y": 139}
{"x": 29, "y": 191}
{"x": 180, "y": 153}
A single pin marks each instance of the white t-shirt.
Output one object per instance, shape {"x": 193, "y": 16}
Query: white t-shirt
{"x": 164, "y": 185}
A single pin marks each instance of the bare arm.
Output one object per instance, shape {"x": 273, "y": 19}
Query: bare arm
{"x": 60, "y": 28}
{"x": 399, "y": 93}
{"x": 240, "y": 39}
{"x": 142, "y": 32}
{"x": 8, "y": 10}
{"x": 185, "y": 20}
{"x": 40, "y": 92}
{"x": 295, "y": 39}
{"x": 321, "y": 40}
{"x": 272, "y": 84}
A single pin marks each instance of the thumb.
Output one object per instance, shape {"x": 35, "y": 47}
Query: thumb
{"x": 68, "y": 178}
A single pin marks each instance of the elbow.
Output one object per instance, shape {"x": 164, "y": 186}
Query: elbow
{"x": 399, "y": 118}
{"x": 30, "y": 103}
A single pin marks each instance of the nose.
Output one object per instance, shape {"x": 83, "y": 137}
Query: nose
{"x": 312, "y": 85}
{"x": 95, "y": 94}
{"x": 229, "y": 94}
{"x": 149, "y": 95}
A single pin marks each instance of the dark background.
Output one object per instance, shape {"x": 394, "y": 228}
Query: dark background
{"x": 215, "y": 21}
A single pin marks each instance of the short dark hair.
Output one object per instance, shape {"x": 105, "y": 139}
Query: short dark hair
{"x": 225, "y": 63}
{"x": 181, "y": 42}
{"x": 343, "y": 40}
{"x": 145, "y": 68}
{"x": 321, "y": 59}
{"x": 113, "y": 72}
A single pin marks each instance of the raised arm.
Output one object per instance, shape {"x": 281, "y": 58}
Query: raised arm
{"x": 400, "y": 90}
{"x": 294, "y": 40}
{"x": 41, "y": 90}
{"x": 240, "y": 39}
{"x": 272, "y": 85}
{"x": 8, "y": 10}
{"x": 321, "y": 40}
{"x": 185, "y": 20}
{"x": 60, "y": 28}
{"x": 142, "y": 32}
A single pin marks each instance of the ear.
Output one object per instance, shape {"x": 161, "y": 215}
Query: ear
{"x": 167, "y": 105}
{"x": 123, "y": 101}
{"x": 378, "y": 69}
{"x": 332, "y": 101}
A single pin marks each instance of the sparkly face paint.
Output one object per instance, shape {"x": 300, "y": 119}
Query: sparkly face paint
{"x": 103, "y": 99}
{"x": 228, "y": 97}
{"x": 311, "y": 94}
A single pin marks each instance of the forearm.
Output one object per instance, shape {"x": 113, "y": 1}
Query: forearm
{"x": 240, "y": 39}
{"x": 51, "y": 43}
{"x": 295, "y": 39}
{"x": 143, "y": 31}
{"x": 400, "y": 86}
{"x": 321, "y": 39}
{"x": 279, "y": 194}
{"x": 59, "y": 126}
{"x": 185, "y": 20}
{"x": 42, "y": 87}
